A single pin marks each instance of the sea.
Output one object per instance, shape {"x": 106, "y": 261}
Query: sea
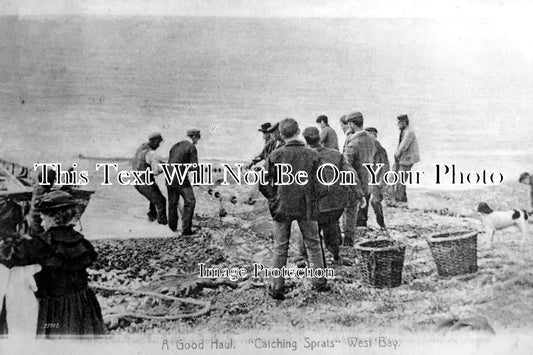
{"x": 96, "y": 86}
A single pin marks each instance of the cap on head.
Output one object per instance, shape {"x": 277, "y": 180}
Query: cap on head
{"x": 288, "y": 127}
{"x": 355, "y": 117}
{"x": 193, "y": 132}
{"x": 155, "y": 135}
{"x": 371, "y": 130}
{"x": 264, "y": 127}
{"x": 55, "y": 201}
{"x": 322, "y": 118}
{"x": 403, "y": 118}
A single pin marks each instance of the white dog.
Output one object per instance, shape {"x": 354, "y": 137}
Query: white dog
{"x": 495, "y": 220}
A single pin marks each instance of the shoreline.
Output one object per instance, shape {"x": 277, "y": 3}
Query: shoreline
{"x": 120, "y": 212}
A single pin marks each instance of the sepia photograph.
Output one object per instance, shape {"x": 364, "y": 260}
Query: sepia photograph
{"x": 266, "y": 176}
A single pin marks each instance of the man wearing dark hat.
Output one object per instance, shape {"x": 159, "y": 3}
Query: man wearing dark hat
{"x": 183, "y": 152}
{"x": 293, "y": 201}
{"x": 270, "y": 145}
{"x": 406, "y": 155}
{"x": 328, "y": 136}
{"x": 380, "y": 157}
{"x": 332, "y": 205}
{"x": 147, "y": 158}
{"x": 359, "y": 149}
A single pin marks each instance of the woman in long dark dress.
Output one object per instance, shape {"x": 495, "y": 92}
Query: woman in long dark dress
{"x": 67, "y": 306}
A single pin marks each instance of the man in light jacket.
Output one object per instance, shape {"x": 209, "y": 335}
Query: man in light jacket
{"x": 359, "y": 149}
{"x": 406, "y": 155}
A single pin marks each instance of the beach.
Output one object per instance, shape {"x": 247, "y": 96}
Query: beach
{"x": 102, "y": 84}
{"x": 497, "y": 291}
{"x": 89, "y": 89}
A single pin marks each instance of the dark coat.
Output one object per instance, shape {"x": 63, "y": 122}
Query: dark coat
{"x": 360, "y": 149}
{"x": 182, "y": 153}
{"x": 407, "y": 151}
{"x": 338, "y": 196}
{"x": 328, "y": 138}
{"x": 289, "y": 202}
{"x": 270, "y": 145}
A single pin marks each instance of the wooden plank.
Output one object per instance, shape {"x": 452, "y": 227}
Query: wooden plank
{"x": 14, "y": 183}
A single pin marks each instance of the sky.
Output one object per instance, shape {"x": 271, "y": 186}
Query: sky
{"x": 505, "y": 9}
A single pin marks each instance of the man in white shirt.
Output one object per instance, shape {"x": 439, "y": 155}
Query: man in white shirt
{"x": 147, "y": 158}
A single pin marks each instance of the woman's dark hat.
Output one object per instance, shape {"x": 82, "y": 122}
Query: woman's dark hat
{"x": 54, "y": 201}
{"x": 264, "y": 127}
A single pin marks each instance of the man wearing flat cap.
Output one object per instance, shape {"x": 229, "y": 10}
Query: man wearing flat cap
{"x": 359, "y": 149}
{"x": 146, "y": 158}
{"x": 270, "y": 144}
{"x": 183, "y": 152}
{"x": 405, "y": 157}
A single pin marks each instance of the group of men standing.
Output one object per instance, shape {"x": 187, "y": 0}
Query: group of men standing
{"x": 317, "y": 208}
{"x": 182, "y": 152}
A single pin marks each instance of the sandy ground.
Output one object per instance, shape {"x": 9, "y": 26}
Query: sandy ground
{"x": 500, "y": 291}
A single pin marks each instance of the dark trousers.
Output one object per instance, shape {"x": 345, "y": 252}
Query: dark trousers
{"x": 362, "y": 215}
{"x": 189, "y": 202}
{"x": 158, "y": 203}
{"x": 400, "y": 189}
{"x": 375, "y": 201}
{"x": 328, "y": 224}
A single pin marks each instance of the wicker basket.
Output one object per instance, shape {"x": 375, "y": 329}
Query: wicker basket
{"x": 380, "y": 262}
{"x": 455, "y": 253}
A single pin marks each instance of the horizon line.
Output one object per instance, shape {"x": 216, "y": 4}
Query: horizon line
{"x": 252, "y": 17}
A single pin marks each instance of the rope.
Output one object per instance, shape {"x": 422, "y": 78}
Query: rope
{"x": 206, "y": 306}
